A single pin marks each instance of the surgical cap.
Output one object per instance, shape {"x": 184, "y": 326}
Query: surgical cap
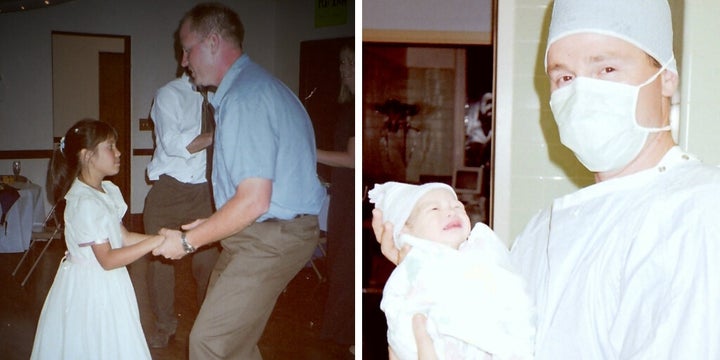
{"x": 646, "y": 24}
{"x": 397, "y": 200}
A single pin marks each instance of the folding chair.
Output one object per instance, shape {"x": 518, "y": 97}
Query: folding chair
{"x": 322, "y": 224}
{"x": 52, "y": 228}
{"x": 321, "y": 250}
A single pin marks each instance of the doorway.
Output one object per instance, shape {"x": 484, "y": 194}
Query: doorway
{"x": 320, "y": 87}
{"x": 91, "y": 79}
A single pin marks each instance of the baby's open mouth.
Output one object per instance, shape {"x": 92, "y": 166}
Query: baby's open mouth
{"x": 453, "y": 225}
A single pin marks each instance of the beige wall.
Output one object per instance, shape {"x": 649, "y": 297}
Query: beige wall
{"x": 75, "y": 81}
{"x": 532, "y": 167}
{"x": 427, "y": 21}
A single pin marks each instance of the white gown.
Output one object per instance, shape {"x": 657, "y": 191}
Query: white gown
{"x": 90, "y": 313}
{"x": 629, "y": 268}
{"x": 476, "y": 305}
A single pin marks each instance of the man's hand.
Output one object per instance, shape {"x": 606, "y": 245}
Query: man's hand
{"x": 384, "y": 235}
{"x": 426, "y": 350}
{"x": 193, "y": 224}
{"x": 171, "y": 247}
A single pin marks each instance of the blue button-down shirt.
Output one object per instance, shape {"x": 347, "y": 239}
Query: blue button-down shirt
{"x": 263, "y": 131}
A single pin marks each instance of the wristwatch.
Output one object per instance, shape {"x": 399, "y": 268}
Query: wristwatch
{"x": 189, "y": 249}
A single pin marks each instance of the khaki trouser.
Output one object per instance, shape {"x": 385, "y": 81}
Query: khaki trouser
{"x": 254, "y": 267}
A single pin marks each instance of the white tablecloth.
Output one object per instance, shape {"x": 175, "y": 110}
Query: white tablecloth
{"x": 26, "y": 212}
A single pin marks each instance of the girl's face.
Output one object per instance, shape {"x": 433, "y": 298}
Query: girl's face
{"x": 105, "y": 159}
{"x": 439, "y": 217}
{"x": 347, "y": 69}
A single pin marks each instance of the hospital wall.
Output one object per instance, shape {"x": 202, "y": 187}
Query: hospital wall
{"x": 532, "y": 167}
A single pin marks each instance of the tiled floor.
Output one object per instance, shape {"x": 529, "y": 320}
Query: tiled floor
{"x": 291, "y": 332}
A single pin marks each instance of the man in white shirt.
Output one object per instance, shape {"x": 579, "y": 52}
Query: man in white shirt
{"x": 626, "y": 268}
{"x": 180, "y": 194}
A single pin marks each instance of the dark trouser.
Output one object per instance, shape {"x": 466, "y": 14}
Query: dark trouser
{"x": 339, "y": 317}
{"x": 254, "y": 267}
{"x": 170, "y": 204}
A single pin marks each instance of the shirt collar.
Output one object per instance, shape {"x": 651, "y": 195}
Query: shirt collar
{"x": 673, "y": 158}
{"x": 228, "y": 79}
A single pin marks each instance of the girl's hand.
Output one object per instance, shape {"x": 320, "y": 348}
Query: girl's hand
{"x": 157, "y": 240}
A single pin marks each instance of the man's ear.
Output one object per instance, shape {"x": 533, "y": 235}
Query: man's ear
{"x": 670, "y": 82}
{"x": 213, "y": 41}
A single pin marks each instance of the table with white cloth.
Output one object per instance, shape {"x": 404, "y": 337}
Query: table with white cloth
{"x": 27, "y": 211}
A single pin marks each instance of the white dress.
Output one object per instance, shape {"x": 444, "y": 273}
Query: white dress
{"x": 629, "y": 268}
{"x": 475, "y": 303}
{"x": 89, "y": 312}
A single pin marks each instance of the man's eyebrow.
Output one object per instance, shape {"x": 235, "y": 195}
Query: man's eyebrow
{"x": 600, "y": 58}
{"x": 556, "y": 67}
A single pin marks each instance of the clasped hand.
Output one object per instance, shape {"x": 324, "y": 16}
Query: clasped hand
{"x": 171, "y": 247}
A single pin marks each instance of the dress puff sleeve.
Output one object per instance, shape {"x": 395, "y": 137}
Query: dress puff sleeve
{"x": 87, "y": 217}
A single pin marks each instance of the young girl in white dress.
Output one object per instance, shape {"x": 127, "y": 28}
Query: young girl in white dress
{"x": 91, "y": 311}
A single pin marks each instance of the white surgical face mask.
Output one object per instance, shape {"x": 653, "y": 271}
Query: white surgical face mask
{"x": 596, "y": 119}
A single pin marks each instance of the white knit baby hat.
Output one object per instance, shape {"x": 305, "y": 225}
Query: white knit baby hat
{"x": 396, "y": 200}
{"x": 646, "y": 24}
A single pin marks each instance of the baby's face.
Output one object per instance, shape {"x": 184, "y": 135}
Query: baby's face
{"x": 439, "y": 217}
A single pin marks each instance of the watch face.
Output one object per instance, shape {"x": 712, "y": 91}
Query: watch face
{"x": 186, "y": 246}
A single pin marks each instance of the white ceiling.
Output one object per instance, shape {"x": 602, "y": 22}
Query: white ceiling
{"x": 24, "y": 5}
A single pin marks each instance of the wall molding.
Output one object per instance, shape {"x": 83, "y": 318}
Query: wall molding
{"x": 428, "y": 37}
{"x": 25, "y": 154}
{"x": 47, "y": 154}
{"x": 143, "y": 152}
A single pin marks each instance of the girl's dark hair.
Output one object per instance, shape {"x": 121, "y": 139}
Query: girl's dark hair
{"x": 65, "y": 163}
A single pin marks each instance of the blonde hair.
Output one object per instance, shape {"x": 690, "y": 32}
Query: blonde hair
{"x": 214, "y": 17}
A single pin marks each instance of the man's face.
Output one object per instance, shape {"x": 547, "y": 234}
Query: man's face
{"x": 608, "y": 58}
{"x": 195, "y": 55}
{"x": 439, "y": 217}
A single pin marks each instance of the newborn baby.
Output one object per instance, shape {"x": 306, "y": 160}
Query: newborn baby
{"x": 461, "y": 279}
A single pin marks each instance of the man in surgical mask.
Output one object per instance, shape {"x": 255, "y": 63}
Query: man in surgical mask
{"x": 630, "y": 266}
